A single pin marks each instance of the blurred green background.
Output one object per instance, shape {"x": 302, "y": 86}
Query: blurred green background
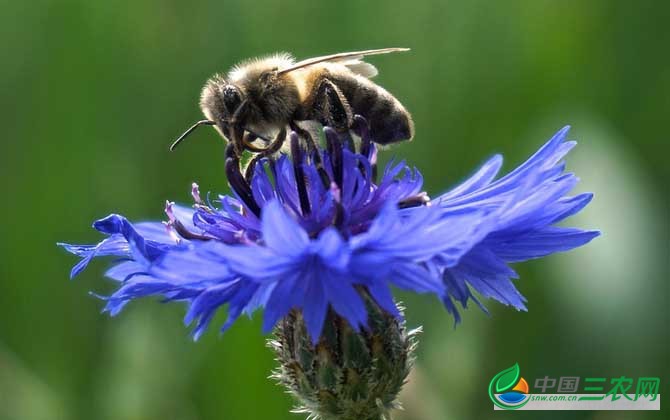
{"x": 92, "y": 93}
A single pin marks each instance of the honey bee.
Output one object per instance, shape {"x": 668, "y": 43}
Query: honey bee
{"x": 261, "y": 97}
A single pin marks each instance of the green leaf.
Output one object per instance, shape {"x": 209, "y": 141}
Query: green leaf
{"x": 506, "y": 379}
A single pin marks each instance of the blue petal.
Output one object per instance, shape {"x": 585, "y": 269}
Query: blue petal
{"x": 261, "y": 186}
{"x": 331, "y": 249}
{"x": 239, "y": 302}
{"x": 345, "y": 300}
{"x": 282, "y": 300}
{"x": 427, "y": 233}
{"x": 541, "y": 242}
{"x": 488, "y": 275}
{"x": 145, "y": 242}
{"x": 200, "y": 263}
{"x": 315, "y": 308}
{"x": 154, "y": 231}
{"x": 521, "y": 207}
{"x": 207, "y": 303}
{"x": 416, "y": 278}
{"x": 260, "y": 297}
{"x": 381, "y": 293}
{"x": 480, "y": 179}
{"x": 124, "y": 270}
{"x": 257, "y": 262}
{"x": 141, "y": 248}
{"x": 281, "y": 233}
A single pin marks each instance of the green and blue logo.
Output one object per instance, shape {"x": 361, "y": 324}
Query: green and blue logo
{"x": 508, "y": 390}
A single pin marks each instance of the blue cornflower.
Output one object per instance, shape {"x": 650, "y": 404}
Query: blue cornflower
{"x": 311, "y": 230}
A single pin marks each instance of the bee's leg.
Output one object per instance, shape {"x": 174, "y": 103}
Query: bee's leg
{"x": 247, "y": 143}
{"x": 250, "y": 137}
{"x": 301, "y": 132}
{"x": 330, "y": 106}
{"x": 237, "y": 139}
{"x": 273, "y": 148}
{"x": 276, "y": 144}
{"x": 314, "y": 149}
{"x": 251, "y": 167}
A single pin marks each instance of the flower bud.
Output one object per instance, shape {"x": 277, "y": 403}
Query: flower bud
{"x": 347, "y": 375}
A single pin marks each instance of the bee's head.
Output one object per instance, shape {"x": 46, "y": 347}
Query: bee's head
{"x": 222, "y": 102}
{"x": 224, "y": 105}
{"x": 249, "y": 99}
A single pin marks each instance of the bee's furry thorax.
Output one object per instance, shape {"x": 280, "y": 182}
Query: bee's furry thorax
{"x": 256, "y": 65}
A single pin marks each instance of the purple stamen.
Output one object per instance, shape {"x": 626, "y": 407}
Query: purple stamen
{"x": 297, "y": 153}
{"x": 169, "y": 211}
{"x": 335, "y": 190}
{"x": 347, "y": 141}
{"x": 169, "y": 228}
{"x": 195, "y": 192}
{"x": 334, "y": 145}
{"x": 237, "y": 181}
{"x": 187, "y": 234}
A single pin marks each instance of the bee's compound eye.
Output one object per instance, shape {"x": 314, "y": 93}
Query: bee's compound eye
{"x": 231, "y": 98}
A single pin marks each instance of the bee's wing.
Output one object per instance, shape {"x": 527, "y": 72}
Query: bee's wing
{"x": 353, "y": 60}
{"x": 362, "y": 68}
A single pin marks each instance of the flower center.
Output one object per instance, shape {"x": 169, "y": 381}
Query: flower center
{"x": 319, "y": 186}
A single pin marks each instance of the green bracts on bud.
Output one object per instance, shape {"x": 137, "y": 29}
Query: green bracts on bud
{"x": 347, "y": 375}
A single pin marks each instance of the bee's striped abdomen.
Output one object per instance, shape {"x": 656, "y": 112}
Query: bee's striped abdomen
{"x": 389, "y": 120}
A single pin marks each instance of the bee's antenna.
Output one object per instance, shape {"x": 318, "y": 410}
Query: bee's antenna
{"x": 189, "y": 131}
